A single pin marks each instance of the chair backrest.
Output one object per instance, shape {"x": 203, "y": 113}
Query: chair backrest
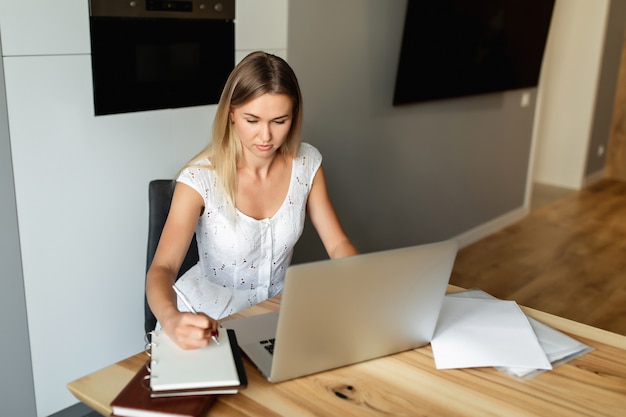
{"x": 160, "y": 198}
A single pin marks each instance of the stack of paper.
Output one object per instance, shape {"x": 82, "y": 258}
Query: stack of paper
{"x": 477, "y": 330}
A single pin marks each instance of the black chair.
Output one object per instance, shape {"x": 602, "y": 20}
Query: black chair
{"x": 160, "y": 198}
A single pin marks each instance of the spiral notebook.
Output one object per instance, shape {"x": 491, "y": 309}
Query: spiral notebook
{"x": 214, "y": 369}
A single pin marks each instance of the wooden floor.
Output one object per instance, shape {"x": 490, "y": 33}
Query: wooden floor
{"x": 567, "y": 257}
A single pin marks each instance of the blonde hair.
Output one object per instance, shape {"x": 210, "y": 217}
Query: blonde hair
{"x": 257, "y": 74}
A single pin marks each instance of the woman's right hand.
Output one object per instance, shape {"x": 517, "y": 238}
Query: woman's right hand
{"x": 191, "y": 331}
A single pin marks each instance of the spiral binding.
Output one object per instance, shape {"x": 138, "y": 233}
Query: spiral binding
{"x": 148, "y": 339}
{"x": 149, "y": 344}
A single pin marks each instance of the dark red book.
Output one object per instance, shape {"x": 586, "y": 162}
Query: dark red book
{"x": 135, "y": 401}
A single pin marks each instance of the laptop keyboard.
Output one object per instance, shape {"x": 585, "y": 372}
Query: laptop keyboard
{"x": 268, "y": 345}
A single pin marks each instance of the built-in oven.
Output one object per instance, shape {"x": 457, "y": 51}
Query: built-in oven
{"x": 158, "y": 54}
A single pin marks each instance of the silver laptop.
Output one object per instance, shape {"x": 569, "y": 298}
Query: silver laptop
{"x": 343, "y": 311}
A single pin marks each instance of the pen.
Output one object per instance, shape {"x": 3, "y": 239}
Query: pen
{"x": 187, "y": 304}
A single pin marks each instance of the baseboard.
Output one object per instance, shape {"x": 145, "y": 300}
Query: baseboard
{"x": 593, "y": 178}
{"x": 486, "y": 229}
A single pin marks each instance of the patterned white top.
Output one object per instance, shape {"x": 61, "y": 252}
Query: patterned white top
{"x": 244, "y": 262}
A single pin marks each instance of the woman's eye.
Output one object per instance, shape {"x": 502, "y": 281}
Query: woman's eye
{"x": 251, "y": 121}
{"x": 279, "y": 122}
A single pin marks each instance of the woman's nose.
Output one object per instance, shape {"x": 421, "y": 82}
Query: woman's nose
{"x": 266, "y": 133}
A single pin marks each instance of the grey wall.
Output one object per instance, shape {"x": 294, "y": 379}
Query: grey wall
{"x": 400, "y": 175}
{"x": 17, "y": 392}
{"x": 607, "y": 87}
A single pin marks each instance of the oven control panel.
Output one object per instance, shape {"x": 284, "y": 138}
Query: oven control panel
{"x": 183, "y": 9}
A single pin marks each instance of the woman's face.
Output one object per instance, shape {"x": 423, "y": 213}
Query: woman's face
{"x": 262, "y": 124}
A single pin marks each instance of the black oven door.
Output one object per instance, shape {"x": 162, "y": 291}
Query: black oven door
{"x": 149, "y": 63}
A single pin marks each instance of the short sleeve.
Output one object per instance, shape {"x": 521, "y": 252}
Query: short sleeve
{"x": 199, "y": 177}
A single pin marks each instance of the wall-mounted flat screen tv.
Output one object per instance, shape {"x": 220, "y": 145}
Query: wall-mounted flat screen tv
{"x": 455, "y": 48}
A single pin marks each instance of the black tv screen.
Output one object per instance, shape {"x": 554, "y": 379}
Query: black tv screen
{"x": 455, "y": 48}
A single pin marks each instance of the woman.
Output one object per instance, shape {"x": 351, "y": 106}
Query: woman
{"x": 245, "y": 195}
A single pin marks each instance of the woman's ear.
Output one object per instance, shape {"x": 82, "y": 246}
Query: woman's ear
{"x": 231, "y": 117}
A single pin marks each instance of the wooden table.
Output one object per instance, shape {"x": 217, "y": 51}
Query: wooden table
{"x": 408, "y": 384}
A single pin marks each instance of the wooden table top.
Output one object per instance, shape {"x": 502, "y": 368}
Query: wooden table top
{"x": 408, "y": 384}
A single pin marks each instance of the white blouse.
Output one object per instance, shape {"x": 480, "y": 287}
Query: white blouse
{"x": 244, "y": 262}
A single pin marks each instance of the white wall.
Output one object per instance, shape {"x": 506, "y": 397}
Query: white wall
{"x": 570, "y": 80}
{"x": 81, "y": 186}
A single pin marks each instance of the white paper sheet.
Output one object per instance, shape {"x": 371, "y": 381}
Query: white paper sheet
{"x": 478, "y": 332}
{"x": 558, "y": 347}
